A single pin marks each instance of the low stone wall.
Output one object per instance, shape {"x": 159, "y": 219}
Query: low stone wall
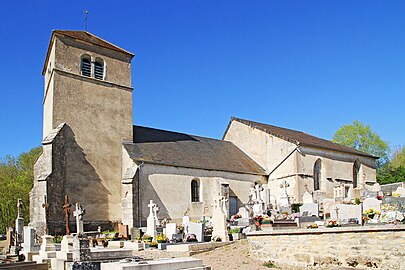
{"x": 332, "y": 248}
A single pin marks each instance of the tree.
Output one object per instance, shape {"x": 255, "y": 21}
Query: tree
{"x": 16, "y": 181}
{"x": 398, "y": 158}
{"x": 361, "y": 137}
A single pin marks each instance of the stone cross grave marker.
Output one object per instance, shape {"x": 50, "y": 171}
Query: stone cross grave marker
{"x": 155, "y": 213}
{"x": 219, "y": 221}
{"x": 19, "y": 224}
{"x": 151, "y": 221}
{"x": 79, "y": 213}
{"x": 66, "y": 208}
{"x": 45, "y": 205}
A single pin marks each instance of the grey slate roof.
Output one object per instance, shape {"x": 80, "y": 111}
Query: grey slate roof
{"x": 299, "y": 137}
{"x": 182, "y": 150}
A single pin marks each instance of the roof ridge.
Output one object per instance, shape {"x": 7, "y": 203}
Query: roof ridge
{"x": 182, "y": 133}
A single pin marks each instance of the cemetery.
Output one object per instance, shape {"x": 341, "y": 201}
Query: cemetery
{"x": 362, "y": 224}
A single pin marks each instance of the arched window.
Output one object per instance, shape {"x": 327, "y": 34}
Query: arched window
{"x": 85, "y": 66}
{"x": 317, "y": 174}
{"x": 356, "y": 170}
{"x": 99, "y": 70}
{"x": 195, "y": 190}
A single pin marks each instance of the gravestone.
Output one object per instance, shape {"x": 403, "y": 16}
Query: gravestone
{"x": 9, "y": 238}
{"x": 243, "y": 212}
{"x": 171, "y": 228}
{"x": 219, "y": 221}
{"x": 67, "y": 243}
{"x": 78, "y": 213}
{"x": 19, "y": 224}
{"x": 151, "y": 221}
{"x": 243, "y": 222}
{"x": 258, "y": 209}
{"x": 369, "y": 203}
{"x": 345, "y": 212}
{"x": 311, "y": 208}
{"x": 135, "y": 234}
{"x": 29, "y": 239}
{"x": 47, "y": 249}
{"x": 307, "y": 198}
{"x": 195, "y": 228}
{"x": 123, "y": 231}
{"x": 400, "y": 191}
{"x": 186, "y": 219}
{"x": 81, "y": 248}
{"x": 319, "y": 196}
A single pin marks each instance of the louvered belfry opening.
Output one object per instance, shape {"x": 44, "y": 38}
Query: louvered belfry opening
{"x": 98, "y": 70}
{"x": 86, "y": 67}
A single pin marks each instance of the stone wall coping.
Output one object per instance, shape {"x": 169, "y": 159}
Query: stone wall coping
{"x": 349, "y": 229}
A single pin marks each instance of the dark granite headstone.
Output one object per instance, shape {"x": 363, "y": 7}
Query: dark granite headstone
{"x": 135, "y": 234}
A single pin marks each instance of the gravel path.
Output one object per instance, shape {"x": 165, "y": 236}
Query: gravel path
{"x": 235, "y": 256}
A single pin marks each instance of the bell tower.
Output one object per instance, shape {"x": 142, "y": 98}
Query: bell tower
{"x": 87, "y": 113}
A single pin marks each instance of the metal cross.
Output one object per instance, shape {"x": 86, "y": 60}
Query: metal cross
{"x": 45, "y": 205}
{"x": 66, "y": 207}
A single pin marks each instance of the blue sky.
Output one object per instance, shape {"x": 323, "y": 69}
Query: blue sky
{"x": 306, "y": 65}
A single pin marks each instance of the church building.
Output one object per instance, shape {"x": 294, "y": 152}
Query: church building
{"x": 93, "y": 153}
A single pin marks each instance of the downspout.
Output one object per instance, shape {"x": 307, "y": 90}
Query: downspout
{"x": 295, "y": 149}
{"x": 139, "y": 195}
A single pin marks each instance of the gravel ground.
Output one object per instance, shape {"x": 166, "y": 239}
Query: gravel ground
{"x": 235, "y": 256}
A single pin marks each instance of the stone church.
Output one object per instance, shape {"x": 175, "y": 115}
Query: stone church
{"x": 93, "y": 153}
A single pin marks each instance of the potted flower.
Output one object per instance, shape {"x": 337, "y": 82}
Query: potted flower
{"x": 147, "y": 239}
{"x": 236, "y": 234}
{"x": 153, "y": 244}
{"x": 370, "y": 214}
{"x": 161, "y": 239}
{"x": 258, "y": 222}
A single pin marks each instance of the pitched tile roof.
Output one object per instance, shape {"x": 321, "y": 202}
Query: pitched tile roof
{"x": 86, "y": 37}
{"x": 299, "y": 137}
{"x": 182, "y": 150}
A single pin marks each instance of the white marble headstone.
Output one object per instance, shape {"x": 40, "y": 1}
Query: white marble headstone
{"x": 244, "y": 212}
{"x": 307, "y": 198}
{"x": 345, "y": 212}
{"x": 369, "y": 203}
{"x": 186, "y": 219}
{"x": 28, "y": 243}
{"x": 171, "y": 228}
{"x": 400, "y": 191}
{"x": 311, "y": 208}
{"x": 195, "y": 228}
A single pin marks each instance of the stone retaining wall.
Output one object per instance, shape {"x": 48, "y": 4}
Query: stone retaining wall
{"x": 340, "y": 248}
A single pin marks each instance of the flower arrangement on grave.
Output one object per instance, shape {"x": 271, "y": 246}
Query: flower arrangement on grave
{"x": 236, "y": 216}
{"x": 180, "y": 228}
{"x": 312, "y": 226}
{"x": 147, "y": 238}
{"x": 161, "y": 238}
{"x": 153, "y": 244}
{"x": 258, "y": 220}
{"x": 332, "y": 223}
{"x": 357, "y": 201}
{"x": 267, "y": 219}
{"x": 396, "y": 195}
{"x": 370, "y": 213}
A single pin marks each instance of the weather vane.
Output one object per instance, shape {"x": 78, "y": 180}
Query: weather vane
{"x": 86, "y": 12}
